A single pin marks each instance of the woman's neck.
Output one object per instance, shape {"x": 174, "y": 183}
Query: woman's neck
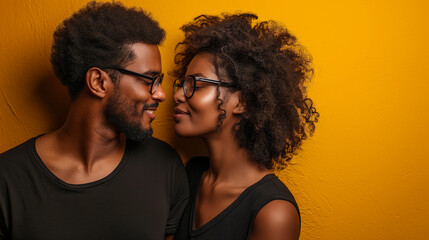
{"x": 231, "y": 163}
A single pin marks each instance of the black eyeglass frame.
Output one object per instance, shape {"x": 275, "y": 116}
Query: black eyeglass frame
{"x": 181, "y": 84}
{"x": 153, "y": 79}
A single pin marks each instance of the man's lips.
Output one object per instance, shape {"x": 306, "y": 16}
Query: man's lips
{"x": 149, "y": 109}
{"x": 150, "y": 113}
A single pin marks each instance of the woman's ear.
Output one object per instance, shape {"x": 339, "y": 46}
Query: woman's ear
{"x": 97, "y": 82}
{"x": 239, "y": 106}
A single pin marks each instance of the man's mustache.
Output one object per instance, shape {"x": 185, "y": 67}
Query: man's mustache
{"x": 153, "y": 105}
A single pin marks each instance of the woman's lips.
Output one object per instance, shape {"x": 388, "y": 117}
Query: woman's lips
{"x": 179, "y": 113}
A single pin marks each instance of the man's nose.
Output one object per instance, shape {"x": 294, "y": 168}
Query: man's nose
{"x": 159, "y": 94}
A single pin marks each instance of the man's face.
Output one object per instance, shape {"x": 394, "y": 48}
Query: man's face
{"x": 130, "y": 107}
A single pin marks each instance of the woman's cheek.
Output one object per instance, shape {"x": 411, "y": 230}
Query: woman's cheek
{"x": 204, "y": 100}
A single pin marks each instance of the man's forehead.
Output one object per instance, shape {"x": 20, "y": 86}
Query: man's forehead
{"x": 147, "y": 57}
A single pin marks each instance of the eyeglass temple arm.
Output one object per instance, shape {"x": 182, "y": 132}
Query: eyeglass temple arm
{"x": 125, "y": 71}
{"x": 225, "y": 84}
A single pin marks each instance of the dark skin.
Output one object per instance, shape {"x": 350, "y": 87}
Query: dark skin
{"x": 87, "y": 147}
{"x": 232, "y": 169}
{"x": 231, "y": 172}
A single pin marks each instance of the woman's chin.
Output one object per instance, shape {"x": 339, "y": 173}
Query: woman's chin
{"x": 182, "y": 132}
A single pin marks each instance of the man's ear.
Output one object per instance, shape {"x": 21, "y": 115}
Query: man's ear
{"x": 239, "y": 106}
{"x": 97, "y": 82}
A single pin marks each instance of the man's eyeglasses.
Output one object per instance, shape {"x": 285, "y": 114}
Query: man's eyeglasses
{"x": 154, "y": 83}
{"x": 189, "y": 84}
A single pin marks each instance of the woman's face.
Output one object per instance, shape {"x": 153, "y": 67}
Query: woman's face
{"x": 198, "y": 115}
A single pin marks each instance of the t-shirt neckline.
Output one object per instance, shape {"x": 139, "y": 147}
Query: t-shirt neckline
{"x": 39, "y": 162}
{"x": 227, "y": 210}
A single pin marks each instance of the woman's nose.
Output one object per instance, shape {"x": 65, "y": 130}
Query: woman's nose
{"x": 179, "y": 95}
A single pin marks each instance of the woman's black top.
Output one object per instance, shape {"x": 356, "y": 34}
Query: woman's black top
{"x": 235, "y": 221}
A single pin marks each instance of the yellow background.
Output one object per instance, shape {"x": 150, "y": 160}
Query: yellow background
{"x": 363, "y": 175}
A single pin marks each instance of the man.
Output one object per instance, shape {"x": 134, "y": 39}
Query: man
{"x": 101, "y": 175}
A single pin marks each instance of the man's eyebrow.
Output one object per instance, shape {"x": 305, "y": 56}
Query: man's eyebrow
{"x": 151, "y": 73}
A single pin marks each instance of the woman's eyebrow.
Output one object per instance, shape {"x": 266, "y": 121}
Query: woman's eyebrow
{"x": 198, "y": 75}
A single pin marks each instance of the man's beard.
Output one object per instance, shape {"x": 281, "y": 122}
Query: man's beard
{"x": 120, "y": 112}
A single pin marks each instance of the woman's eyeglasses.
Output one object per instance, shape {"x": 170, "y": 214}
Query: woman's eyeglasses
{"x": 189, "y": 84}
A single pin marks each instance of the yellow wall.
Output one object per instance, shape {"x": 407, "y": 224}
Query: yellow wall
{"x": 362, "y": 176}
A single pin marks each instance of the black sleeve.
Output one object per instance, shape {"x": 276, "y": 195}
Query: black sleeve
{"x": 179, "y": 199}
{"x": 3, "y": 228}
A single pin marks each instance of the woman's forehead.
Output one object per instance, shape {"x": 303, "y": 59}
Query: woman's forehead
{"x": 202, "y": 66}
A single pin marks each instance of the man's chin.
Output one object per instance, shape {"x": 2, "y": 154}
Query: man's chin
{"x": 139, "y": 134}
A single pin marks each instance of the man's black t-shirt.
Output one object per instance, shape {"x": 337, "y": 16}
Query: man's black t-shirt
{"x": 143, "y": 198}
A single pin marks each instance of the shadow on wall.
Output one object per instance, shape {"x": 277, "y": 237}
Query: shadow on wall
{"x": 53, "y": 97}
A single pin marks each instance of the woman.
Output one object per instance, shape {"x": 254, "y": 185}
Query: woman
{"x": 242, "y": 91}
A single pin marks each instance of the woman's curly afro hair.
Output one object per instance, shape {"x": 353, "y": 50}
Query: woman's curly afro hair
{"x": 270, "y": 69}
{"x": 99, "y": 35}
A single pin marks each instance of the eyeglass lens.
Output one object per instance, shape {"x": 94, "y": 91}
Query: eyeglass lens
{"x": 189, "y": 86}
{"x": 155, "y": 84}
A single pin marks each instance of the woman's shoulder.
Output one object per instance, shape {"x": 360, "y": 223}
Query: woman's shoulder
{"x": 278, "y": 219}
{"x": 277, "y": 213}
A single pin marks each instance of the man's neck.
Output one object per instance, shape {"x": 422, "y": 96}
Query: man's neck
{"x": 84, "y": 149}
